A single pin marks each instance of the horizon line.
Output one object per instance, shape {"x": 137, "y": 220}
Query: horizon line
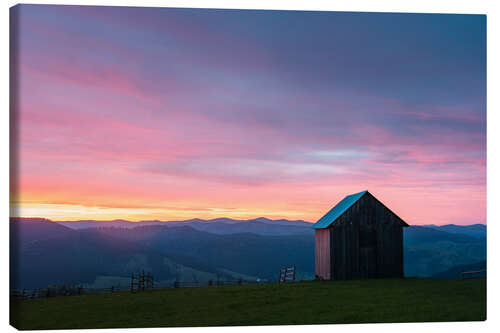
{"x": 207, "y": 220}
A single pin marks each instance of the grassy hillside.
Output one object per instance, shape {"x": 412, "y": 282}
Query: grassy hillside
{"x": 312, "y": 302}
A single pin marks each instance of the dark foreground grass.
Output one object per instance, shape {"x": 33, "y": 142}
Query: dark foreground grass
{"x": 313, "y": 302}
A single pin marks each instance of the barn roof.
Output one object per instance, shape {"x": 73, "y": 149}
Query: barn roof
{"x": 338, "y": 210}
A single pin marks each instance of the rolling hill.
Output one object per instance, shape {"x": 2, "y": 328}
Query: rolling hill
{"x": 79, "y": 257}
{"x": 473, "y": 230}
{"x": 456, "y": 271}
{"x": 44, "y": 252}
{"x": 428, "y": 251}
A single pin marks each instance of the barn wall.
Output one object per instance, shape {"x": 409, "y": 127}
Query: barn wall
{"x": 322, "y": 253}
{"x": 367, "y": 242}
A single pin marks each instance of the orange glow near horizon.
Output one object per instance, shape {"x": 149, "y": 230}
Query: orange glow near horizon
{"x": 248, "y": 207}
{"x": 57, "y": 212}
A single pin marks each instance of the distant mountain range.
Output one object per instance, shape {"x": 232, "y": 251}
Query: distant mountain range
{"x": 45, "y": 252}
{"x": 474, "y": 230}
{"x": 260, "y": 226}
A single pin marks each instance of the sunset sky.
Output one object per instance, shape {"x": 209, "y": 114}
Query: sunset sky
{"x": 170, "y": 114}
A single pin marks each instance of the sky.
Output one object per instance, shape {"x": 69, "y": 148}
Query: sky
{"x": 172, "y": 114}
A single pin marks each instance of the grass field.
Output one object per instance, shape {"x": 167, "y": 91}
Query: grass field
{"x": 312, "y": 302}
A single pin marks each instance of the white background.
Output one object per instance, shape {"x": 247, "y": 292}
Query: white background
{"x": 417, "y": 6}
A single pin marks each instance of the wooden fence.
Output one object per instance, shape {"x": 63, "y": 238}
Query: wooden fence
{"x": 141, "y": 282}
{"x": 138, "y": 283}
{"x": 56, "y": 291}
{"x": 287, "y": 274}
{"x": 239, "y": 282}
{"x": 473, "y": 274}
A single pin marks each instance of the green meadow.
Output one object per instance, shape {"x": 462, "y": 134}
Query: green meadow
{"x": 300, "y": 303}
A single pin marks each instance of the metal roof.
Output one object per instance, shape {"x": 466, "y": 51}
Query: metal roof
{"x": 338, "y": 210}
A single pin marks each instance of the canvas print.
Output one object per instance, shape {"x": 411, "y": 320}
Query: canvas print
{"x": 179, "y": 167}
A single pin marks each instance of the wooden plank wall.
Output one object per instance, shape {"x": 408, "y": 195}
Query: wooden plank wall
{"x": 366, "y": 242}
{"x": 322, "y": 253}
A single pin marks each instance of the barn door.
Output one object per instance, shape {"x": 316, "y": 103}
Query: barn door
{"x": 367, "y": 253}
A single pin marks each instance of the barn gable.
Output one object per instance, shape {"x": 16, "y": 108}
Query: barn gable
{"x": 349, "y": 203}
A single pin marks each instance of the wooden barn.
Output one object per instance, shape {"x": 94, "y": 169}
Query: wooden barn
{"x": 359, "y": 238}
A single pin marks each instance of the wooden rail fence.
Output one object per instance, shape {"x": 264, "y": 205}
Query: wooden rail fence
{"x": 287, "y": 274}
{"x": 141, "y": 282}
{"x": 239, "y": 282}
{"x": 55, "y": 291}
{"x": 469, "y": 273}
